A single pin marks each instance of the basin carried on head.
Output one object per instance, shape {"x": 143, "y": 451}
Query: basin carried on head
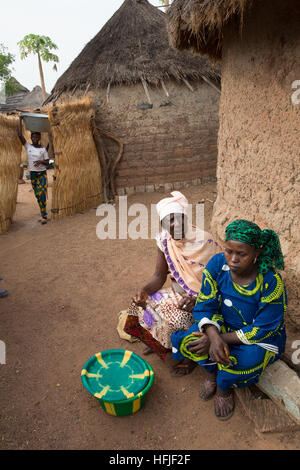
{"x": 36, "y": 122}
{"x": 119, "y": 379}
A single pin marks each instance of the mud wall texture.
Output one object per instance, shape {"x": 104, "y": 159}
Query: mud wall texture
{"x": 258, "y": 170}
{"x": 169, "y": 145}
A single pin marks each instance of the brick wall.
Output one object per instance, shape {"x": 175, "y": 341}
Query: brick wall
{"x": 172, "y": 145}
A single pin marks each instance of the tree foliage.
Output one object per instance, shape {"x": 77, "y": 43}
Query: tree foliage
{"x": 6, "y": 60}
{"x": 41, "y": 45}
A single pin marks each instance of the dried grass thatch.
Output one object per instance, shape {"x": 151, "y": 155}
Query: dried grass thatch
{"x": 10, "y": 158}
{"x": 197, "y": 25}
{"x": 77, "y": 185}
{"x": 132, "y": 46}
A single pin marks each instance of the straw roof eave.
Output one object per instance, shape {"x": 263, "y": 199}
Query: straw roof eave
{"x": 197, "y": 25}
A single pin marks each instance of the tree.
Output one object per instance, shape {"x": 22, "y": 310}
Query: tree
{"x": 40, "y": 45}
{"x": 6, "y": 59}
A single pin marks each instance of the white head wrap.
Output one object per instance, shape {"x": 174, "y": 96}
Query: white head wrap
{"x": 172, "y": 205}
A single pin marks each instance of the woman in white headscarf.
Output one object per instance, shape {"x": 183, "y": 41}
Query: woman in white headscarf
{"x": 156, "y": 312}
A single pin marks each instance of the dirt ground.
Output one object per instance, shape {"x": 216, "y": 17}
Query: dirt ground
{"x": 66, "y": 289}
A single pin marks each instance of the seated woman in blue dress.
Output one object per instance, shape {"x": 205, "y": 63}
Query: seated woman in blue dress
{"x": 239, "y": 325}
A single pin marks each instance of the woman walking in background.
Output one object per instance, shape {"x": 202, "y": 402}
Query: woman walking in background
{"x": 38, "y": 160}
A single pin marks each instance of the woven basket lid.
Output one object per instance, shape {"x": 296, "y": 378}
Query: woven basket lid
{"x": 115, "y": 374}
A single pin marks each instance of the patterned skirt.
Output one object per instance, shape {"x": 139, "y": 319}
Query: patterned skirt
{"x": 248, "y": 362}
{"x": 161, "y": 317}
{"x": 39, "y": 185}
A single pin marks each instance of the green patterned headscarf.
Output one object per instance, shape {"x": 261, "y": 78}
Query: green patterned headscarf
{"x": 267, "y": 240}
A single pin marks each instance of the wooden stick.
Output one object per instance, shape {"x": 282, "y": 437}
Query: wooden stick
{"x": 99, "y": 148}
{"x": 87, "y": 89}
{"x": 74, "y": 89}
{"x": 48, "y": 99}
{"x": 108, "y": 164}
{"x": 108, "y": 92}
{"x": 187, "y": 84}
{"x": 45, "y": 102}
{"x": 59, "y": 93}
{"x": 114, "y": 166}
{"x": 211, "y": 83}
{"x": 146, "y": 90}
{"x": 164, "y": 88}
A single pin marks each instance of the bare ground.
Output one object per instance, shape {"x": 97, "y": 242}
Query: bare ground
{"x": 66, "y": 288}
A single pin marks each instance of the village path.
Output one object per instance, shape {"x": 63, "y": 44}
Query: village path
{"x": 66, "y": 289}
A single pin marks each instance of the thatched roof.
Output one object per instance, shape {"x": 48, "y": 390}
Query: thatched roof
{"x": 133, "y": 45}
{"x": 197, "y": 25}
{"x": 14, "y": 101}
{"x": 34, "y": 99}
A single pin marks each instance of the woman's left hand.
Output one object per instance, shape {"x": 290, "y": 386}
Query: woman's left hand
{"x": 187, "y": 303}
{"x": 200, "y": 346}
{"x": 38, "y": 162}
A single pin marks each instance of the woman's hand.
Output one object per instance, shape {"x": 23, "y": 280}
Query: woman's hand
{"x": 187, "y": 303}
{"x": 219, "y": 350}
{"x": 38, "y": 162}
{"x": 140, "y": 298}
{"x": 201, "y": 345}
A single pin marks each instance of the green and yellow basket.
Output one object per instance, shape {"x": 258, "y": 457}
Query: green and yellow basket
{"x": 119, "y": 379}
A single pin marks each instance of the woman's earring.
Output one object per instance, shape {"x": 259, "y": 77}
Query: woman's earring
{"x": 255, "y": 259}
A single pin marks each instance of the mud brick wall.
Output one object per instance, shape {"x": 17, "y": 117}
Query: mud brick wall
{"x": 172, "y": 144}
{"x": 258, "y": 162}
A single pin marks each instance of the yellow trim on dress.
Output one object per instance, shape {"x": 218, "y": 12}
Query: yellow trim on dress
{"x": 258, "y": 284}
{"x": 277, "y": 292}
{"x": 268, "y": 356}
{"x": 213, "y": 285}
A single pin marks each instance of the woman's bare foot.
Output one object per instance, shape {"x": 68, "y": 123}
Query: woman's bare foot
{"x": 208, "y": 388}
{"x": 184, "y": 367}
{"x": 224, "y": 404}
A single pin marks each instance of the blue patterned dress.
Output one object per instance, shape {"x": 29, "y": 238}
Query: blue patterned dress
{"x": 255, "y": 312}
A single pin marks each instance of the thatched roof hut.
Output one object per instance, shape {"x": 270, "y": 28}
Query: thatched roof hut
{"x": 14, "y": 101}
{"x": 162, "y": 104}
{"x": 132, "y": 45}
{"x": 258, "y": 44}
{"x": 23, "y": 99}
{"x": 33, "y": 99}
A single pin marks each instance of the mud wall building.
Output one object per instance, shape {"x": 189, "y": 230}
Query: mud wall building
{"x": 258, "y": 173}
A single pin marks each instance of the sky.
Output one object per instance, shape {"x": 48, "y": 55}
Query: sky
{"x": 70, "y": 24}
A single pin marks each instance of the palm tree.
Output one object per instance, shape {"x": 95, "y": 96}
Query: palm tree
{"x": 40, "y": 45}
